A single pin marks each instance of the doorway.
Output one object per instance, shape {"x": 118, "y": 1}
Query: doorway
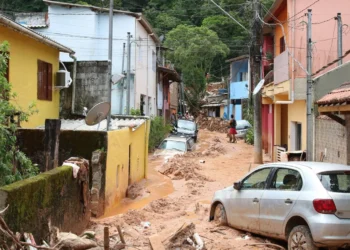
{"x": 296, "y": 133}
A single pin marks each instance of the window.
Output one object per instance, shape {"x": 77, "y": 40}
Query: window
{"x": 337, "y": 182}
{"x": 243, "y": 76}
{"x": 44, "y": 81}
{"x": 282, "y": 45}
{"x": 286, "y": 179}
{"x": 256, "y": 180}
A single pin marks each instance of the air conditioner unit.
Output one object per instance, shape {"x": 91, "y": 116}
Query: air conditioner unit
{"x": 63, "y": 79}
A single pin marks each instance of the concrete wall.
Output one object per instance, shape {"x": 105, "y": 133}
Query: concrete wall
{"x": 331, "y": 140}
{"x": 297, "y": 113}
{"x": 23, "y": 73}
{"x": 72, "y": 143}
{"x": 331, "y": 80}
{"x": 91, "y": 87}
{"x": 127, "y": 160}
{"x": 174, "y": 96}
{"x": 52, "y": 198}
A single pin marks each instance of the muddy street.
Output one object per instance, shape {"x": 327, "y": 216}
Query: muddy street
{"x": 178, "y": 192}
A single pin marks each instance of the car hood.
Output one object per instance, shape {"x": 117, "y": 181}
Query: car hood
{"x": 167, "y": 154}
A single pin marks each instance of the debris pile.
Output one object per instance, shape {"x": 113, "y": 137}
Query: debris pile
{"x": 186, "y": 238}
{"x": 213, "y": 123}
{"x": 135, "y": 190}
{"x": 179, "y": 168}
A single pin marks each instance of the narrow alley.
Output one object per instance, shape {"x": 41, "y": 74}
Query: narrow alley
{"x": 180, "y": 191}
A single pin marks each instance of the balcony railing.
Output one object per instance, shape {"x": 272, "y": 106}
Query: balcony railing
{"x": 281, "y": 68}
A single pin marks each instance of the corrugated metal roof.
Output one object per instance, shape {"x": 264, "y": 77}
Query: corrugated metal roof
{"x": 32, "y": 20}
{"x": 5, "y": 21}
{"x": 337, "y": 96}
{"x": 116, "y": 124}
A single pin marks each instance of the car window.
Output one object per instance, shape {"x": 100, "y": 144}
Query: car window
{"x": 338, "y": 182}
{"x": 256, "y": 180}
{"x": 286, "y": 179}
{"x": 242, "y": 124}
{"x": 188, "y": 125}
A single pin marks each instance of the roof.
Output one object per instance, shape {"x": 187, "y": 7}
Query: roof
{"x": 176, "y": 138}
{"x": 139, "y": 16}
{"x": 239, "y": 58}
{"x": 173, "y": 75}
{"x": 277, "y": 5}
{"x": 337, "y": 96}
{"x": 116, "y": 124}
{"x": 213, "y": 105}
{"x": 32, "y": 20}
{"x": 6, "y": 22}
{"x": 314, "y": 166}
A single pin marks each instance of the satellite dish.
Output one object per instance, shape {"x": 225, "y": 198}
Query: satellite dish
{"x": 97, "y": 114}
{"x": 258, "y": 87}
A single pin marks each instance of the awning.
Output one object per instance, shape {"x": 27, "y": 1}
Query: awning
{"x": 171, "y": 73}
{"x": 213, "y": 105}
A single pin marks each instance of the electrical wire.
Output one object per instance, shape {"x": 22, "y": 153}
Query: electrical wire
{"x": 285, "y": 42}
{"x": 335, "y": 24}
{"x": 304, "y": 9}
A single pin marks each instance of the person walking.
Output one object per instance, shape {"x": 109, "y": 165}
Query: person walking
{"x": 232, "y": 131}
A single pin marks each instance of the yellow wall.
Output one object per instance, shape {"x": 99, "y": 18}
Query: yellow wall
{"x": 279, "y": 33}
{"x": 297, "y": 113}
{"x": 117, "y": 170}
{"x": 24, "y": 53}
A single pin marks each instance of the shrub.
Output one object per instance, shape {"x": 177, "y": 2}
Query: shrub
{"x": 249, "y": 116}
{"x": 249, "y": 138}
{"x": 158, "y": 132}
{"x": 135, "y": 112}
{"x": 14, "y": 164}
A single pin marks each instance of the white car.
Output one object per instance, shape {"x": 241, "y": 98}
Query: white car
{"x": 174, "y": 145}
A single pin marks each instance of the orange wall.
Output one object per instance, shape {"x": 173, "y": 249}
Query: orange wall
{"x": 283, "y": 16}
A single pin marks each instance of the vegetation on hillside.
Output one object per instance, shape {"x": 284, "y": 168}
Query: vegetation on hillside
{"x": 202, "y": 36}
{"x": 14, "y": 165}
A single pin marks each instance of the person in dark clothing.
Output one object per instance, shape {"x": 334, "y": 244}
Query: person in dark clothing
{"x": 232, "y": 131}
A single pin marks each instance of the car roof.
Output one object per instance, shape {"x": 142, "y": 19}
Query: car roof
{"x": 186, "y": 120}
{"x": 317, "y": 167}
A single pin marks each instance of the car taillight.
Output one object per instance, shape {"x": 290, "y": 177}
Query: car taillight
{"x": 325, "y": 206}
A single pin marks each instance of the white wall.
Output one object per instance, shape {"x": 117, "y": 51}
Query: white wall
{"x": 145, "y": 70}
{"x": 86, "y": 32}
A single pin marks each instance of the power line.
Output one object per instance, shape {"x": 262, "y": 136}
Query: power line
{"x": 304, "y": 9}
{"x": 331, "y": 63}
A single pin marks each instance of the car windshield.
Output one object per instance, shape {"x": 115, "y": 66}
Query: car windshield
{"x": 173, "y": 145}
{"x": 189, "y": 125}
{"x": 338, "y": 182}
{"x": 242, "y": 124}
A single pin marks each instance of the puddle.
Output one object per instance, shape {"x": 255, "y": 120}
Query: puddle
{"x": 159, "y": 186}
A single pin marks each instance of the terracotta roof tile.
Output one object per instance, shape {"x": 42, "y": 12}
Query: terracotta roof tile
{"x": 337, "y": 96}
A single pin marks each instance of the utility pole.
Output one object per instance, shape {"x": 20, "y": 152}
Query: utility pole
{"x": 110, "y": 53}
{"x": 122, "y": 83}
{"x": 255, "y": 60}
{"x": 340, "y": 38}
{"x": 128, "y": 76}
{"x": 309, "y": 96}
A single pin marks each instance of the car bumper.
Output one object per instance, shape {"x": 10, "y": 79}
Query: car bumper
{"x": 328, "y": 230}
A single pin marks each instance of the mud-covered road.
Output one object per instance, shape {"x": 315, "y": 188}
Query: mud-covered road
{"x": 179, "y": 192}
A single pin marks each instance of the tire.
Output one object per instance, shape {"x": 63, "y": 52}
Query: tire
{"x": 300, "y": 238}
{"x": 220, "y": 215}
{"x": 195, "y": 139}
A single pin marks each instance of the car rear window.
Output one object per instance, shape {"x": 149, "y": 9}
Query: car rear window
{"x": 338, "y": 182}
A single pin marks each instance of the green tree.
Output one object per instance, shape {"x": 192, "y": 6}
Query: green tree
{"x": 14, "y": 165}
{"x": 194, "y": 51}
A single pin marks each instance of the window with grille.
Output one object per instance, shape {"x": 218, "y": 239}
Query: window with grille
{"x": 44, "y": 81}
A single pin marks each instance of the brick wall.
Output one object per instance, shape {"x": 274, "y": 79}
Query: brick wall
{"x": 330, "y": 139}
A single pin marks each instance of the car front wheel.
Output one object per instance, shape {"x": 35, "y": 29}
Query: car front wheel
{"x": 300, "y": 238}
{"x": 220, "y": 215}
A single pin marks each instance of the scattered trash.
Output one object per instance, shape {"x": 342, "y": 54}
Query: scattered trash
{"x": 202, "y": 161}
{"x": 185, "y": 235}
{"x": 246, "y": 237}
{"x": 145, "y": 224}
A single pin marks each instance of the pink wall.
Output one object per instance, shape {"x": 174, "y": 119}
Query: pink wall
{"x": 324, "y": 52}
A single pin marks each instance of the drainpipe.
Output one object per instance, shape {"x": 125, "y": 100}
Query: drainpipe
{"x": 73, "y": 81}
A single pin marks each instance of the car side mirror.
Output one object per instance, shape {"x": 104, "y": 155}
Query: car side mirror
{"x": 237, "y": 185}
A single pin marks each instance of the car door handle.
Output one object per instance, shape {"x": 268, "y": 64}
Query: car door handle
{"x": 288, "y": 201}
{"x": 255, "y": 200}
